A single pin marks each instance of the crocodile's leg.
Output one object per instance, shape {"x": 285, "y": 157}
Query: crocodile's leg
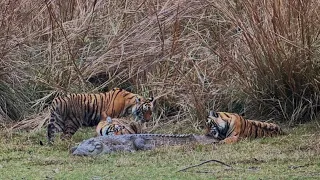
{"x": 140, "y": 144}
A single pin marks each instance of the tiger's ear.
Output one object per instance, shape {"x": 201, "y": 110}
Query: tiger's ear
{"x": 109, "y": 120}
{"x": 150, "y": 99}
{"x": 213, "y": 114}
{"x": 208, "y": 122}
{"x": 138, "y": 100}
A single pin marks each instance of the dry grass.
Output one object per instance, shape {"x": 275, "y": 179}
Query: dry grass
{"x": 278, "y": 66}
{"x": 193, "y": 55}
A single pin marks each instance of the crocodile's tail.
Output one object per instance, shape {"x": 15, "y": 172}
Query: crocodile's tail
{"x": 167, "y": 135}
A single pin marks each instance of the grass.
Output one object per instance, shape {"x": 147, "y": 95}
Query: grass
{"x": 292, "y": 156}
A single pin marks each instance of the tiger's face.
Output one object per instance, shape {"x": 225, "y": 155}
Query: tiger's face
{"x": 215, "y": 126}
{"x": 112, "y": 129}
{"x": 143, "y": 109}
{"x": 212, "y": 129}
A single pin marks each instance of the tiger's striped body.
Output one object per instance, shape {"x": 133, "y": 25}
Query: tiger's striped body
{"x": 76, "y": 110}
{"x": 117, "y": 126}
{"x": 231, "y": 127}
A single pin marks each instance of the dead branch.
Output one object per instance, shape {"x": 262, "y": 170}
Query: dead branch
{"x": 212, "y": 160}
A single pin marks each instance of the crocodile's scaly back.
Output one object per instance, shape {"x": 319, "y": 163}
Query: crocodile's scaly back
{"x": 150, "y": 141}
{"x": 133, "y": 142}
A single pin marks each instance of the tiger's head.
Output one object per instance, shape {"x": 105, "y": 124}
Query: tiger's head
{"x": 109, "y": 127}
{"x": 112, "y": 129}
{"x": 215, "y": 126}
{"x": 143, "y": 109}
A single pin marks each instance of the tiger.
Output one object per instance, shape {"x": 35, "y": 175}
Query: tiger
{"x": 229, "y": 128}
{"x": 117, "y": 126}
{"x": 68, "y": 114}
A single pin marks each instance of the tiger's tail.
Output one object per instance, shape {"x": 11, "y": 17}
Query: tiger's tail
{"x": 261, "y": 129}
{"x": 51, "y": 128}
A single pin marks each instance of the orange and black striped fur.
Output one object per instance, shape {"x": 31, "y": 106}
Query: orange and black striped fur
{"x": 231, "y": 127}
{"x": 76, "y": 110}
{"x": 118, "y": 126}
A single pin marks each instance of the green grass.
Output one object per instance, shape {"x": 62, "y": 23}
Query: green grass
{"x": 292, "y": 156}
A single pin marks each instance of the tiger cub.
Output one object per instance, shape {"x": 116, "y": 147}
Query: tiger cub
{"x": 69, "y": 113}
{"x": 117, "y": 126}
{"x": 231, "y": 127}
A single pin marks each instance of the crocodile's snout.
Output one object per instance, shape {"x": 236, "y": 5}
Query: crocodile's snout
{"x": 73, "y": 149}
{"x": 79, "y": 153}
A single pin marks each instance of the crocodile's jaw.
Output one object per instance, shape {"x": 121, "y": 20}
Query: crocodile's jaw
{"x": 84, "y": 152}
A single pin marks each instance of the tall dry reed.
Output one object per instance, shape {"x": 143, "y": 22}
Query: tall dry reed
{"x": 240, "y": 56}
{"x": 277, "y": 55}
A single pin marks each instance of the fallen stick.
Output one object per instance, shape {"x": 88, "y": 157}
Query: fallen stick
{"x": 212, "y": 160}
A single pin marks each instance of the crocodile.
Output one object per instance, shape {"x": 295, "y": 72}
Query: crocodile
{"x": 133, "y": 142}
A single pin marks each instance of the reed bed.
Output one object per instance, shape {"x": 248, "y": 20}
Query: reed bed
{"x": 257, "y": 58}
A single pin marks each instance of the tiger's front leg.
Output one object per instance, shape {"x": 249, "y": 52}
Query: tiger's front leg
{"x": 69, "y": 130}
{"x": 230, "y": 140}
{"x": 66, "y": 136}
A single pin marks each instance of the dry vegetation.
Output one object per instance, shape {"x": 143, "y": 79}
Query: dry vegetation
{"x": 256, "y": 57}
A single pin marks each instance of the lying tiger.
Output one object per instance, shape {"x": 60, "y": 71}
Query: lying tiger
{"x": 231, "y": 127}
{"x": 117, "y": 126}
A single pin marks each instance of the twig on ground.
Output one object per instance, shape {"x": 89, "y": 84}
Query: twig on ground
{"x": 212, "y": 160}
{"x": 206, "y": 172}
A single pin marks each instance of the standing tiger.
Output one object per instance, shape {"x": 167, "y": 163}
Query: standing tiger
{"x": 69, "y": 113}
{"x": 231, "y": 127}
{"x": 117, "y": 126}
